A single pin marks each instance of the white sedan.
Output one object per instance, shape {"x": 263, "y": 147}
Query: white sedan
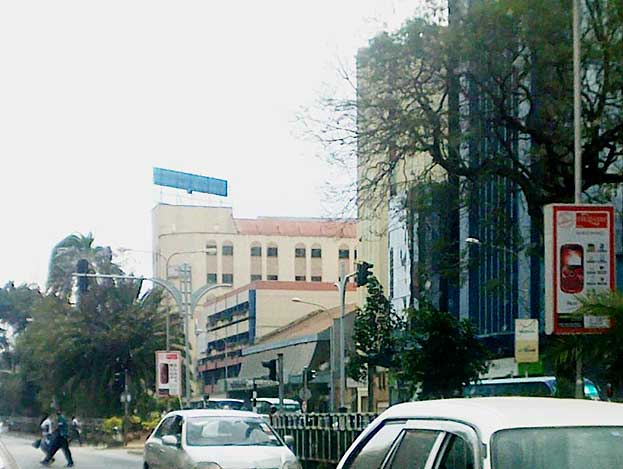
{"x": 492, "y": 433}
{"x": 216, "y": 439}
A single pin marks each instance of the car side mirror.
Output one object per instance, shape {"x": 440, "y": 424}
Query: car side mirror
{"x": 289, "y": 441}
{"x": 170, "y": 440}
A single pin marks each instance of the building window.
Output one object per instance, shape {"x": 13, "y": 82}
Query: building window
{"x": 299, "y": 278}
{"x": 272, "y": 252}
{"x": 228, "y": 278}
{"x": 211, "y": 278}
{"x": 316, "y": 278}
{"x": 256, "y": 251}
{"x": 316, "y": 252}
{"x": 299, "y": 252}
{"x": 211, "y": 248}
{"x": 355, "y": 252}
{"x": 344, "y": 254}
{"x": 256, "y": 277}
{"x": 272, "y": 277}
{"x": 228, "y": 250}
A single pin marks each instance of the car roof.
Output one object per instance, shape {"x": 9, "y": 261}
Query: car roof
{"x": 490, "y": 414}
{"x": 213, "y": 413}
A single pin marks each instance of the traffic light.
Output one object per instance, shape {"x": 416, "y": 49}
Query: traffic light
{"x": 272, "y": 368}
{"x": 119, "y": 380}
{"x": 311, "y": 374}
{"x": 82, "y": 267}
{"x": 363, "y": 273}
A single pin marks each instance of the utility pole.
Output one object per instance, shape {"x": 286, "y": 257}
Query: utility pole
{"x": 341, "y": 286}
{"x": 577, "y": 147}
{"x": 254, "y": 396}
{"x": 305, "y": 389}
{"x": 186, "y": 289}
{"x": 185, "y": 308}
{"x": 280, "y": 376}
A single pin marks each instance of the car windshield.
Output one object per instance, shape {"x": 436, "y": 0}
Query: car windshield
{"x": 559, "y": 448}
{"x": 229, "y": 431}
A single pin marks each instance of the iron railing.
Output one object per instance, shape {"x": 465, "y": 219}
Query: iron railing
{"x": 321, "y": 438}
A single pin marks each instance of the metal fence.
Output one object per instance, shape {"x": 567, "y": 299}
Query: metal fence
{"x": 321, "y": 438}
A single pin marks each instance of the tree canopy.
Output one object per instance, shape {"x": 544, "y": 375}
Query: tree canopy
{"x": 65, "y": 256}
{"x": 440, "y": 354}
{"x": 75, "y": 355}
{"x": 488, "y": 94}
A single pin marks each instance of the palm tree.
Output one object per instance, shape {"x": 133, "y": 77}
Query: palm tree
{"x": 66, "y": 254}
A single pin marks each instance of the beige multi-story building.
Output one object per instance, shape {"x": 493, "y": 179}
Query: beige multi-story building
{"x": 224, "y": 249}
{"x": 309, "y": 254}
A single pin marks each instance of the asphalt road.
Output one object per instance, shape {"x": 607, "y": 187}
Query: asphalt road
{"x": 85, "y": 457}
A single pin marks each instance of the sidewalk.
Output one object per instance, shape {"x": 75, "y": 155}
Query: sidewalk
{"x": 135, "y": 447}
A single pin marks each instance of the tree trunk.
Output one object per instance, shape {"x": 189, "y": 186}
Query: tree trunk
{"x": 371, "y": 374}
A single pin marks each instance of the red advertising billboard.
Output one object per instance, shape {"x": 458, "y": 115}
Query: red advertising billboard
{"x": 168, "y": 373}
{"x": 579, "y": 259}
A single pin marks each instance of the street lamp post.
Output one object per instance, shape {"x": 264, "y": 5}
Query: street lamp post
{"x": 331, "y": 350}
{"x": 185, "y": 309}
{"x": 166, "y": 277}
{"x": 341, "y": 286}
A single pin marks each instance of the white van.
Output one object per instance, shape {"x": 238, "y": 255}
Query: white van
{"x": 290, "y": 406}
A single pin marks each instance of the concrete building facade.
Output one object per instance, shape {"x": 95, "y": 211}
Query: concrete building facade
{"x": 306, "y": 255}
{"x": 254, "y": 314}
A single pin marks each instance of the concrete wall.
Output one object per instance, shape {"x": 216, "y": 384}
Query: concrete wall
{"x": 275, "y": 308}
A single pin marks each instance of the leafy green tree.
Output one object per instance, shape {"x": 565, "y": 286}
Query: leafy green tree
{"x": 16, "y": 305}
{"x": 73, "y": 354}
{"x": 440, "y": 353}
{"x": 606, "y": 350}
{"x": 375, "y": 334}
{"x": 493, "y": 81}
{"x": 65, "y": 256}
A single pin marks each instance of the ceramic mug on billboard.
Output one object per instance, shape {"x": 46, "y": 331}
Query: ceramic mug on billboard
{"x": 571, "y": 268}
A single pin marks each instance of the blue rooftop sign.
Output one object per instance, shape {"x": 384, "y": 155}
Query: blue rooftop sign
{"x": 190, "y": 182}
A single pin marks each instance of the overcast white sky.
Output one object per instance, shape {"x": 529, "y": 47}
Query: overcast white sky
{"x": 94, "y": 94}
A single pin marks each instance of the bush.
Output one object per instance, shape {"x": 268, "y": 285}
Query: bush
{"x": 151, "y": 421}
{"x": 110, "y": 423}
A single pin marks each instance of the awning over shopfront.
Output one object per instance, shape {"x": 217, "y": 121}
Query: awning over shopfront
{"x": 297, "y": 354}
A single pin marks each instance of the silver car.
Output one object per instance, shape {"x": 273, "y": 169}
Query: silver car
{"x": 216, "y": 439}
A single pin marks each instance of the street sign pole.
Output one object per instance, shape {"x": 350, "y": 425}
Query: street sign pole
{"x": 280, "y": 377}
{"x": 126, "y": 405}
{"x": 305, "y": 389}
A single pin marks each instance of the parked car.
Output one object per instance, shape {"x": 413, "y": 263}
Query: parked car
{"x": 218, "y": 403}
{"x": 233, "y": 404}
{"x": 290, "y": 406}
{"x": 216, "y": 439}
{"x": 539, "y": 386}
{"x": 492, "y": 433}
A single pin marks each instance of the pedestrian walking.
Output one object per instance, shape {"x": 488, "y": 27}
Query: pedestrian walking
{"x": 75, "y": 426}
{"x": 45, "y": 442}
{"x": 60, "y": 441}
